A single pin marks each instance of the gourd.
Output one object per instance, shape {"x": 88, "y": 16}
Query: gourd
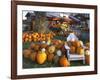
{"x": 41, "y": 56}
{"x": 63, "y": 62}
{"x": 51, "y": 49}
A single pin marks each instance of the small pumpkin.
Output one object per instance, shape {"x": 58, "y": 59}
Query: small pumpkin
{"x": 33, "y": 56}
{"x": 51, "y": 49}
{"x": 50, "y": 57}
{"x": 80, "y": 50}
{"x": 44, "y": 45}
{"x": 63, "y": 62}
{"x": 27, "y": 53}
{"x": 41, "y": 57}
{"x": 37, "y": 47}
{"x": 72, "y": 49}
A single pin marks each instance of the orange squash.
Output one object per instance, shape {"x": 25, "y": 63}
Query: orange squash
{"x": 27, "y": 53}
{"x": 63, "y": 62}
{"x": 80, "y": 50}
{"x": 72, "y": 49}
{"x": 41, "y": 57}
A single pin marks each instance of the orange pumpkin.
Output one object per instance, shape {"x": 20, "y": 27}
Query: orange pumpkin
{"x": 50, "y": 57}
{"x": 80, "y": 50}
{"x": 36, "y": 47}
{"x": 41, "y": 57}
{"x": 33, "y": 56}
{"x": 63, "y": 62}
{"x": 27, "y": 53}
{"x": 72, "y": 49}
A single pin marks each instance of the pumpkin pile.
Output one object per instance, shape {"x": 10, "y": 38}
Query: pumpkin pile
{"x": 76, "y": 47}
{"x": 42, "y": 53}
{"x": 29, "y": 37}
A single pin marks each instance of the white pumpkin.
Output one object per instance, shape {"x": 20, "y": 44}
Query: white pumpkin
{"x": 59, "y": 53}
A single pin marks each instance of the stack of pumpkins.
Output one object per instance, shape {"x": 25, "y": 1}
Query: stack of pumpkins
{"x": 76, "y": 47}
{"x": 35, "y": 37}
{"x": 43, "y": 52}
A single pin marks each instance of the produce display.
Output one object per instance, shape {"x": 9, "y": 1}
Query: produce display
{"x": 45, "y": 37}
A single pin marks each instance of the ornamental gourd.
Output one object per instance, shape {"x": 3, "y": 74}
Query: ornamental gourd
{"x": 51, "y": 49}
{"x": 63, "y": 62}
{"x": 41, "y": 57}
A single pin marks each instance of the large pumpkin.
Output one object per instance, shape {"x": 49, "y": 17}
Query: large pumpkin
{"x": 41, "y": 57}
{"x": 80, "y": 50}
{"x": 63, "y": 62}
{"x": 72, "y": 49}
{"x": 27, "y": 53}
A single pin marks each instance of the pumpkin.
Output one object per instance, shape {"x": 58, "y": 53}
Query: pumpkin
{"x": 87, "y": 44}
{"x": 36, "y": 47}
{"x": 33, "y": 56}
{"x": 72, "y": 49}
{"x": 59, "y": 53}
{"x": 51, "y": 49}
{"x": 63, "y": 62}
{"x": 41, "y": 57}
{"x": 44, "y": 45}
{"x": 50, "y": 57}
{"x": 80, "y": 50}
{"x": 27, "y": 53}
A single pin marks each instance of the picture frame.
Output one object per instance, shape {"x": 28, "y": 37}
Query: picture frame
{"x": 17, "y": 70}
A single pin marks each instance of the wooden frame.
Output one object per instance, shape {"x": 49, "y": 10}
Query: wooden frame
{"x": 14, "y": 37}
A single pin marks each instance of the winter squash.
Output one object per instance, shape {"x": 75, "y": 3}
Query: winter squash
{"x": 63, "y": 62}
{"x": 50, "y": 57}
{"x": 80, "y": 50}
{"x": 41, "y": 57}
{"x": 72, "y": 49}
{"x": 27, "y": 53}
{"x": 51, "y": 49}
{"x": 87, "y": 59}
{"x": 33, "y": 56}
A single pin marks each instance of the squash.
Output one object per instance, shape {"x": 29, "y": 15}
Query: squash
{"x": 33, "y": 56}
{"x": 27, "y": 53}
{"x": 51, "y": 49}
{"x": 63, "y": 62}
{"x": 72, "y": 49}
{"x": 50, "y": 57}
{"x": 41, "y": 57}
{"x": 80, "y": 50}
{"x": 32, "y": 45}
